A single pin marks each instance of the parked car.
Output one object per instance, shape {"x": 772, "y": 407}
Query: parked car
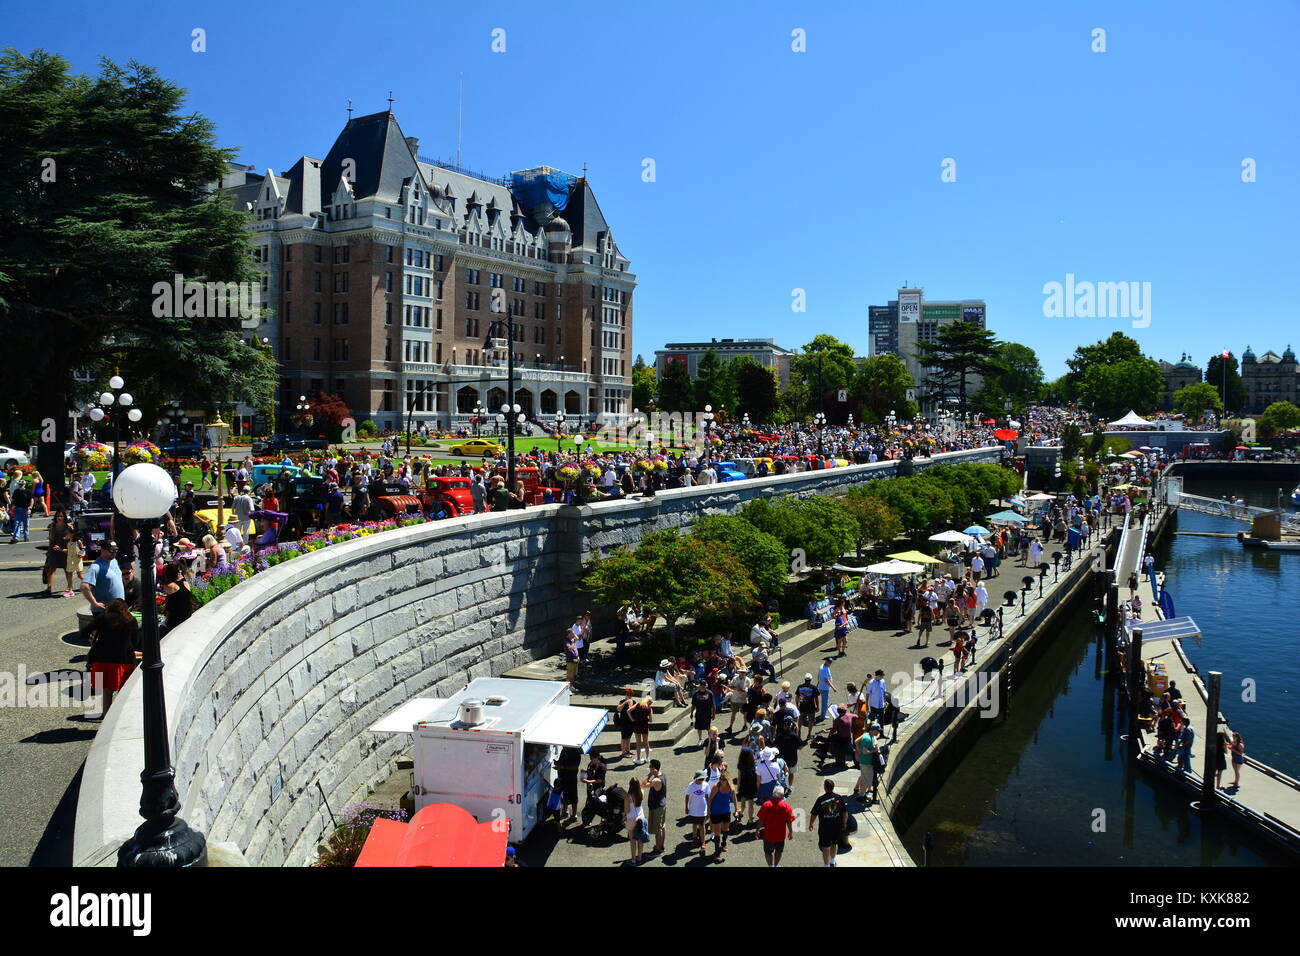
{"x": 477, "y": 447}
{"x": 12, "y": 456}
{"x": 286, "y": 442}
{"x": 727, "y": 471}
{"x": 181, "y": 448}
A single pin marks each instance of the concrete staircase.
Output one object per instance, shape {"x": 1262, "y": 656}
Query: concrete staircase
{"x": 669, "y": 722}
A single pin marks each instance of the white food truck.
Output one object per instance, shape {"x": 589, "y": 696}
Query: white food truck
{"x": 490, "y": 747}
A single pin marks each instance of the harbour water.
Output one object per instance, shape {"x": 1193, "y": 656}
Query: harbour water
{"x": 1051, "y": 785}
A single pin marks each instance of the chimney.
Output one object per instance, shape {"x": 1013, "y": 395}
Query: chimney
{"x": 414, "y": 143}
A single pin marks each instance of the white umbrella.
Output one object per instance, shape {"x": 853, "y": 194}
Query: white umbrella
{"x": 1041, "y": 496}
{"x": 957, "y": 536}
{"x": 895, "y": 567}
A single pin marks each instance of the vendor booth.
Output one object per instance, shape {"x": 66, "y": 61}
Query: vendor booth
{"x": 490, "y": 747}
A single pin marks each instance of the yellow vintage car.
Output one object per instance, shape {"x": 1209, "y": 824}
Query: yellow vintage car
{"x": 477, "y": 447}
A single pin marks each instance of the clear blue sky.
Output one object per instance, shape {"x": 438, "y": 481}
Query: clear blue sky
{"x": 820, "y": 170}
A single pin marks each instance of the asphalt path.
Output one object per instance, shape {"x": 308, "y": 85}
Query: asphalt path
{"x": 44, "y": 736}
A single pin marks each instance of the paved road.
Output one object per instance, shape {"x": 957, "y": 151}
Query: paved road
{"x": 42, "y": 747}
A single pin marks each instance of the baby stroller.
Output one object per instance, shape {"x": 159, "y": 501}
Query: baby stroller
{"x": 606, "y": 807}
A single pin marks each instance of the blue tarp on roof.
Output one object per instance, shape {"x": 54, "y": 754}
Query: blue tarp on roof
{"x": 536, "y": 186}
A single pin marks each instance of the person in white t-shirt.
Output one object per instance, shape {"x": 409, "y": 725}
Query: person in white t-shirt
{"x": 697, "y": 808}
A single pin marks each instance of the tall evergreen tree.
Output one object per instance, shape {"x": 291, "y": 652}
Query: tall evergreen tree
{"x": 676, "y": 390}
{"x": 109, "y": 191}
{"x": 645, "y": 384}
{"x": 1232, "y": 391}
{"x": 958, "y": 352}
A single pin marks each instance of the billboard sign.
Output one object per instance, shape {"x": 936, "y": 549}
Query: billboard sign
{"x": 909, "y": 306}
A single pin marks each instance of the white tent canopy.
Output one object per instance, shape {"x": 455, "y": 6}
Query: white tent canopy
{"x": 894, "y": 567}
{"x": 955, "y": 536}
{"x": 1131, "y": 420}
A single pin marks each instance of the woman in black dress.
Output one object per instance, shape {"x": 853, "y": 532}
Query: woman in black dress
{"x": 746, "y": 784}
{"x": 566, "y": 780}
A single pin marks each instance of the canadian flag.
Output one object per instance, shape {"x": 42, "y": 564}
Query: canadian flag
{"x": 1225, "y": 354}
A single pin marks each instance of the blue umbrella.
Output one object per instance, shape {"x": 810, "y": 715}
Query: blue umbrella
{"x": 975, "y": 529}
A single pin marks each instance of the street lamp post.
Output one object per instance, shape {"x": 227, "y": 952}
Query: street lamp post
{"x": 650, "y": 439}
{"x": 560, "y": 419}
{"x": 509, "y": 410}
{"x": 708, "y": 427}
{"x": 144, "y": 495}
{"x": 819, "y": 422}
{"x": 417, "y": 395}
{"x": 114, "y": 404}
{"x": 218, "y": 432}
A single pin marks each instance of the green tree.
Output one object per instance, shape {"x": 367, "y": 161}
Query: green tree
{"x": 673, "y": 575}
{"x": 1112, "y": 390}
{"x": 957, "y": 353}
{"x": 1197, "y": 399}
{"x": 109, "y": 191}
{"x": 819, "y": 527}
{"x": 755, "y": 390}
{"x": 881, "y": 385}
{"x": 1071, "y": 441}
{"x": 763, "y": 556}
{"x": 825, "y": 365}
{"x": 708, "y": 383}
{"x": 1018, "y": 379}
{"x": 645, "y": 385}
{"x": 1222, "y": 373}
{"x": 875, "y": 520}
{"x": 676, "y": 390}
{"x": 1278, "y": 417}
{"x": 1118, "y": 348}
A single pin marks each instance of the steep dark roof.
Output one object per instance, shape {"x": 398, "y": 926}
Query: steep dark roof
{"x": 383, "y": 159}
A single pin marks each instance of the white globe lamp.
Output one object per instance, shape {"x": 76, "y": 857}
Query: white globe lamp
{"x": 116, "y": 382}
{"x": 143, "y": 491}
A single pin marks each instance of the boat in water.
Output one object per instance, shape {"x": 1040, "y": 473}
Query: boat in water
{"x": 1247, "y": 541}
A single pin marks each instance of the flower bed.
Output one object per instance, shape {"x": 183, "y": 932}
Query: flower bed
{"x": 223, "y": 577}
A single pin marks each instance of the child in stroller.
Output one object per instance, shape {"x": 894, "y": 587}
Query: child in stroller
{"x": 605, "y": 805}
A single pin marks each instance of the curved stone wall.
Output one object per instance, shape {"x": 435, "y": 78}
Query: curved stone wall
{"x": 271, "y": 687}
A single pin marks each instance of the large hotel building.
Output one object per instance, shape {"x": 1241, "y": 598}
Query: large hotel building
{"x": 384, "y": 273}
{"x": 895, "y": 329}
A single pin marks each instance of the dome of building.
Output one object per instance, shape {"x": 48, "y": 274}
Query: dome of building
{"x": 1288, "y": 355}
{"x": 557, "y": 225}
{"x": 1185, "y": 363}
{"x": 1248, "y": 355}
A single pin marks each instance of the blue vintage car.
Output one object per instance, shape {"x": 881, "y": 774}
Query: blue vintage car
{"x": 727, "y": 471}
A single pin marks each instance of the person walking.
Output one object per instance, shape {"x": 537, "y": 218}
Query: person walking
{"x": 114, "y": 641}
{"x": 746, "y": 785}
{"x": 1238, "y": 750}
{"x": 1185, "y": 740}
{"x": 807, "y": 697}
{"x": 721, "y": 801}
{"x": 637, "y": 829}
{"x": 702, "y": 710}
{"x": 623, "y": 720}
{"x": 832, "y": 816}
{"x": 866, "y": 753}
{"x": 20, "y": 504}
{"x": 1221, "y": 747}
{"x": 697, "y": 809}
{"x": 876, "y": 693}
{"x": 655, "y": 786}
{"x": 825, "y": 686}
{"x": 641, "y": 714}
{"x": 777, "y": 818}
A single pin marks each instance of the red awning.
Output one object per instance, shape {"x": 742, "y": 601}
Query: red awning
{"x": 442, "y": 834}
{"x": 1006, "y": 434}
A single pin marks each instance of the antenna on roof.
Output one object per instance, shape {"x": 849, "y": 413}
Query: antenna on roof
{"x": 390, "y": 101}
{"x": 584, "y": 170}
{"x": 349, "y": 111}
{"x": 460, "y": 110}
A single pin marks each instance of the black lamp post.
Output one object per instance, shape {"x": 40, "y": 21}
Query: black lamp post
{"x": 144, "y": 495}
{"x": 708, "y": 428}
{"x": 1056, "y": 563}
{"x": 416, "y": 398}
{"x": 510, "y": 411}
{"x": 560, "y": 419}
{"x": 819, "y": 422}
{"x": 1042, "y": 573}
{"x": 650, "y": 473}
{"x": 115, "y": 404}
{"x": 1028, "y": 582}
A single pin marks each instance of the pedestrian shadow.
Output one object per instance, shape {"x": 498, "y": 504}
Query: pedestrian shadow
{"x": 59, "y": 735}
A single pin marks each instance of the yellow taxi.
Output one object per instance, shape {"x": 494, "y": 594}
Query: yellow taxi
{"x": 477, "y": 447}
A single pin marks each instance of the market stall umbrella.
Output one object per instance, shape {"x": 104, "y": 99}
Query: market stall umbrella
{"x": 1041, "y": 496}
{"x": 1121, "y": 487}
{"x": 894, "y": 567}
{"x": 1007, "y": 517}
{"x": 989, "y": 421}
{"x": 957, "y": 536}
{"x": 441, "y": 834}
{"x": 1242, "y": 448}
{"x": 1006, "y": 434}
{"x": 976, "y": 529}
{"x": 917, "y": 557}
